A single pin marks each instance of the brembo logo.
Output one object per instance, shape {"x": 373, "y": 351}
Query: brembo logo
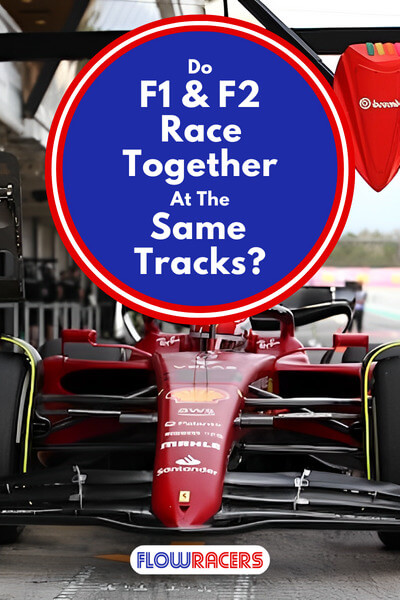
{"x": 209, "y": 560}
{"x": 366, "y": 103}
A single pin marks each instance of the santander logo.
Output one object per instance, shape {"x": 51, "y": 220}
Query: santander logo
{"x": 188, "y": 461}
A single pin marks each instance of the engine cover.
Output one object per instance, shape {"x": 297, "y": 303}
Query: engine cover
{"x": 367, "y": 82}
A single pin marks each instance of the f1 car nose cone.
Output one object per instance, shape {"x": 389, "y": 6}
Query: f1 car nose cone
{"x": 367, "y": 81}
{"x": 194, "y": 438}
{"x": 190, "y": 469}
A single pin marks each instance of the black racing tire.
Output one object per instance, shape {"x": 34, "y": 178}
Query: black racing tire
{"x": 356, "y": 354}
{"x": 386, "y": 390}
{"x": 390, "y": 539}
{"x": 13, "y": 372}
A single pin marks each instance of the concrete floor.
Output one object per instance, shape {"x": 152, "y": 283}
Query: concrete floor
{"x": 55, "y": 563}
{"x": 60, "y": 563}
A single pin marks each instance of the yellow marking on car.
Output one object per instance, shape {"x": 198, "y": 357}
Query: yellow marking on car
{"x": 196, "y": 394}
{"x": 366, "y": 415}
{"x": 12, "y": 340}
{"x": 184, "y": 496}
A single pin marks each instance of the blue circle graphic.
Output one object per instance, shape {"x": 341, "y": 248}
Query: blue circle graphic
{"x": 281, "y": 210}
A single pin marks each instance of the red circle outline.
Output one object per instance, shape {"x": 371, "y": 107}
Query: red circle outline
{"x": 237, "y": 308}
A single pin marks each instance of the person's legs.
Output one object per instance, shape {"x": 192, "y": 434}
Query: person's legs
{"x": 361, "y": 319}
{"x": 358, "y": 317}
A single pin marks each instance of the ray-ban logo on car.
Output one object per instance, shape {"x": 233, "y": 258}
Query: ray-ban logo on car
{"x": 268, "y": 344}
{"x": 366, "y": 103}
{"x": 163, "y": 341}
{"x": 188, "y": 461}
{"x": 209, "y": 560}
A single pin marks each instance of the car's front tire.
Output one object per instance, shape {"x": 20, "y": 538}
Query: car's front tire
{"x": 386, "y": 392}
{"x": 391, "y": 539}
{"x": 13, "y": 383}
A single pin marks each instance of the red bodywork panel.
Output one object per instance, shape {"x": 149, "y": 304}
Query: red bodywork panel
{"x": 56, "y": 371}
{"x": 200, "y": 394}
{"x": 200, "y": 398}
{"x": 367, "y": 82}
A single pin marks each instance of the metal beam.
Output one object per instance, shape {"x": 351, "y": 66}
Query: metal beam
{"x": 334, "y": 40}
{"x": 271, "y": 22}
{"x": 63, "y": 45}
{"x": 49, "y": 68}
{"x": 77, "y": 45}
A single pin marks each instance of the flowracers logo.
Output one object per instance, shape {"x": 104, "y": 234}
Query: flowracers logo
{"x": 195, "y": 560}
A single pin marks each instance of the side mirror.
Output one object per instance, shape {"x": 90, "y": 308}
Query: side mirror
{"x": 351, "y": 340}
{"x": 78, "y": 336}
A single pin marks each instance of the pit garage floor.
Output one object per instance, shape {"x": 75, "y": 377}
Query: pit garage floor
{"x": 61, "y": 563}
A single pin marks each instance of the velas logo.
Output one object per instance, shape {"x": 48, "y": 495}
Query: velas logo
{"x": 195, "y": 560}
{"x": 366, "y": 103}
{"x": 207, "y": 365}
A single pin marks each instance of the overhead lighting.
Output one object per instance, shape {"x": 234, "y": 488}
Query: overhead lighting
{"x": 40, "y": 22}
{"x": 26, "y": 1}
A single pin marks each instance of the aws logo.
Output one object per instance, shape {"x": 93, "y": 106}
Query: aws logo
{"x": 199, "y": 412}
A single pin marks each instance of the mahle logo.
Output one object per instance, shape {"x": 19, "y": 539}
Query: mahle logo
{"x": 365, "y": 103}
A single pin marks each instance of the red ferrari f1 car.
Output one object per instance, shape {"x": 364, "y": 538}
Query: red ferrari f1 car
{"x": 222, "y": 429}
